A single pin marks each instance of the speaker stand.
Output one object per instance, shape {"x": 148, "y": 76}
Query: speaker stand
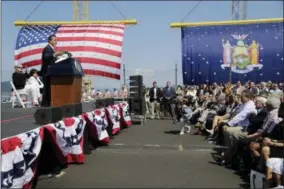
{"x": 143, "y": 118}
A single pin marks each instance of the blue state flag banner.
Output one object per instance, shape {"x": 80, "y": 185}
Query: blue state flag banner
{"x": 251, "y": 51}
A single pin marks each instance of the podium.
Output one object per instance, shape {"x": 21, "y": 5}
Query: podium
{"x": 65, "y": 82}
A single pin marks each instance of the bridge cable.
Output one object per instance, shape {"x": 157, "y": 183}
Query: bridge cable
{"x": 31, "y": 13}
{"x": 189, "y": 13}
{"x": 117, "y": 9}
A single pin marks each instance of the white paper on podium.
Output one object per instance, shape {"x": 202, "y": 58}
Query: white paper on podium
{"x": 61, "y": 58}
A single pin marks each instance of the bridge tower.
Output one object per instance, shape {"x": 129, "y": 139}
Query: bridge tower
{"x": 239, "y": 10}
{"x": 81, "y": 13}
{"x": 80, "y": 10}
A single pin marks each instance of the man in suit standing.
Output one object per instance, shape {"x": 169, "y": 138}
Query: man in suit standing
{"x": 169, "y": 94}
{"x": 49, "y": 56}
{"x": 155, "y": 94}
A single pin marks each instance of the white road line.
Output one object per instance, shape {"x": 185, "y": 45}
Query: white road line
{"x": 152, "y": 145}
{"x": 119, "y": 144}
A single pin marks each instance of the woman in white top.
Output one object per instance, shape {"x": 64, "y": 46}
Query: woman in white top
{"x": 191, "y": 92}
{"x": 35, "y": 82}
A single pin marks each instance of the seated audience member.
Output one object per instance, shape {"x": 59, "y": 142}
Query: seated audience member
{"x": 256, "y": 121}
{"x": 123, "y": 92}
{"x": 115, "y": 93}
{"x": 107, "y": 94}
{"x": 179, "y": 94}
{"x": 221, "y": 121}
{"x": 238, "y": 89}
{"x": 191, "y": 92}
{"x": 230, "y": 104}
{"x": 275, "y": 90}
{"x": 253, "y": 89}
{"x": 263, "y": 88}
{"x": 268, "y": 129}
{"x": 185, "y": 119}
{"x": 274, "y": 166}
{"x": 93, "y": 92}
{"x": 19, "y": 77}
{"x": 215, "y": 107}
{"x": 238, "y": 124}
{"x": 20, "y": 83}
{"x": 99, "y": 94}
{"x": 35, "y": 82}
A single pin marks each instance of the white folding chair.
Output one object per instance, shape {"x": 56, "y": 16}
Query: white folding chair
{"x": 18, "y": 94}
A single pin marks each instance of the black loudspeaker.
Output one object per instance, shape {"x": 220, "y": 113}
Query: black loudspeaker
{"x": 100, "y": 103}
{"x": 136, "y": 88}
{"x": 71, "y": 110}
{"x": 136, "y": 80}
{"x": 46, "y": 115}
{"x": 137, "y": 106}
{"x": 109, "y": 101}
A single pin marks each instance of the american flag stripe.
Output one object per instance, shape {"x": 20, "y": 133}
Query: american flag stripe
{"x": 104, "y": 30}
{"x": 73, "y": 36}
{"x": 115, "y": 26}
{"x": 93, "y": 69}
{"x": 76, "y": 49}
{"x": 83, "y": 56}
{"x": 97, "y": 46}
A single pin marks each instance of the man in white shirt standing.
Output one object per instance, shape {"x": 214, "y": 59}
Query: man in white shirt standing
{"x": 238, "y": 123}
{"x": 155, "y": 94}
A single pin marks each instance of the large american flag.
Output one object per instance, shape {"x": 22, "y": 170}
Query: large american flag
{"x": 97, "y": 47}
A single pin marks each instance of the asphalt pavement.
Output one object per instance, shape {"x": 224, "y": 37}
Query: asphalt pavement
{"x": 149, "y": 156}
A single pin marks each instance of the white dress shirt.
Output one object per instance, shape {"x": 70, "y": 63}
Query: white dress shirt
{"x": 242, "y": 118}
{"x": 155, "y": 93}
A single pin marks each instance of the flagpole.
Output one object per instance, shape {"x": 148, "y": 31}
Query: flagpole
{"x": 230, "y": 74}
{"x": 124, "y": 75}
{"x": 176, "y": 74}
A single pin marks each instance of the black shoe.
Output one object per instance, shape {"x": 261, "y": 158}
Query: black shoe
{"x": 214, "y": 136}
{"x": 210, "y": 137}
{"x": 217, "y": 158}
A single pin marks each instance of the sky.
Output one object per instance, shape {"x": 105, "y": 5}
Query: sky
{"x": 150, "y": 48}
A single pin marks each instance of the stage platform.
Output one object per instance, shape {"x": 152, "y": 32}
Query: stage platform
{"x": 18, "y": 120}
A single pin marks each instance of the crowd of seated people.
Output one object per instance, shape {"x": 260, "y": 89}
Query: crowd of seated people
{"x": 247, "y": 119}
{"x": 28, "y": 83}
{"x": 93, "y": 94}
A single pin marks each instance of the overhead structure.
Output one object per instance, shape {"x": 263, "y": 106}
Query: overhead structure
{"x": 230, "y": 22}
{"x": 30, "y": 23}
{"x": 239, "y": 10}
{"x": 80, "y": 10}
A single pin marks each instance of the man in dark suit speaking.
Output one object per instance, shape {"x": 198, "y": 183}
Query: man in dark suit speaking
{"x": 49, "y": 56}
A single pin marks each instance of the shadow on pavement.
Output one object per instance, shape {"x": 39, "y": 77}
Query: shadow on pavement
{"x": 173, "y": 132}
